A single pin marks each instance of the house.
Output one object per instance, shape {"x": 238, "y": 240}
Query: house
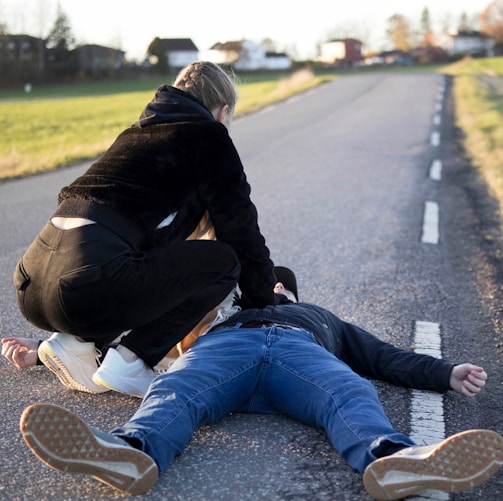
{"x": 179, "y": 52}
{"x": 469, "y": 42}
{"x": 240, "y": 54}
{"x": 396, "y": 57}
{"x": 341, "y": 52}
{"x": 97, "y": 59}
{"x": 429, "y": 54}
{"x": 277, "y": 61}
{"x": 22, "y": 59}
{"x": 20, "y": 48}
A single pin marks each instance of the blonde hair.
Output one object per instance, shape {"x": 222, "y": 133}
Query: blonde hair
{"x": 209, "y": 83}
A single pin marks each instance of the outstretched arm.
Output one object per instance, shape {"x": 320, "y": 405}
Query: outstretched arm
{"x": 467, "y": 379}
{"x": 21, "y": 351}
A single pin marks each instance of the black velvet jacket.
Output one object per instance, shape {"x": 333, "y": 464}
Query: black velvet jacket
{"x": 178, "y": 161}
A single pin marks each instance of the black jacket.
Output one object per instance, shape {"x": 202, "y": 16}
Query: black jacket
{"x": 178, "y": 161}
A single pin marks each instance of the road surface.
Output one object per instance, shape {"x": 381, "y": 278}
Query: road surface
{"x": 362, "y": 188}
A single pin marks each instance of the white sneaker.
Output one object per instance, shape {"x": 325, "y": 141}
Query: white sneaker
{"x": 65, "y": 443}
{"x": 132, "y": 378}
{"x": 73, "y": 361}
{"x": 458, "y": 463}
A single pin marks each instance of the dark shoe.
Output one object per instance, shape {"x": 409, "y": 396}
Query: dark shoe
{"x": 61, "y": 440}
{"x": 459, "y": 463}
{"x": 287, "y": 277}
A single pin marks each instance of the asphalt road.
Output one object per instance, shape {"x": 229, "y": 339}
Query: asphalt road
{"x": 340, "y": 176}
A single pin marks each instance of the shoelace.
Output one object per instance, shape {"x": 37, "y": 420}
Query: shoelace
{"x": 162, "y": 369}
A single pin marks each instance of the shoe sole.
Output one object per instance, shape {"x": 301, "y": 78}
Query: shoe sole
{"x": 65, "y": 443}
{"x": 459, "y": 463}
{"x": 51, "y": 360}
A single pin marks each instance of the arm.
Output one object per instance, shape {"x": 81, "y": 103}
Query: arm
{"x": 373, "y": 358}
{"x": 376, "y": 359}
{"x": 21, "y": 352}
{"x": 225, "y": 192}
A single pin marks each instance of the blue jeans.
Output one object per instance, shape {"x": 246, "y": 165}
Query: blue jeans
{"x": 261, "y": 370}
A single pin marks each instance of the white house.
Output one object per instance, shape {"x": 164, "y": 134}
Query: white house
{"x": 241, "y": 54}
{"x": 246, "y": 55}
{"x": 277, "y": 61}
{"x": 180, "y": 52}
{"x": 467, "y": 42}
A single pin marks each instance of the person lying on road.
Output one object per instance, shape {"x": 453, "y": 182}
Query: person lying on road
{"x": 266, "y": 360}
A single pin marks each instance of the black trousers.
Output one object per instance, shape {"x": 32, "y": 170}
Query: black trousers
{"x": 93, "y": 283}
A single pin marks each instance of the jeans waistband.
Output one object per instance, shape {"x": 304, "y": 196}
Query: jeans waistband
{"x": 106, "y": 216}
{"x": 257, "y": 325}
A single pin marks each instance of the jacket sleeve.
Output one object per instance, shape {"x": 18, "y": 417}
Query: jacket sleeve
{"x": 371, "y": 357}
{"x": 225, "y": 192}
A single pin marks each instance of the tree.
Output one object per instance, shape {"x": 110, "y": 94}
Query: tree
{"x": 158, "y": 50}
{"x": 426, "y": 31}
{"x": 464, "y": 24}
{"x": 61, "y": 37}
{"x": 269, "y": 45}
{"x": 399, "y": 32}
{"x": 61, "y": 60}
{"x": 491, "y": 21}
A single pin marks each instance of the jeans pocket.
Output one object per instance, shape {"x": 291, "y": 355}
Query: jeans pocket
{"x": 20, "y": 277}
{"x": 21, "y": 281}
{"x": 84, "y": 296}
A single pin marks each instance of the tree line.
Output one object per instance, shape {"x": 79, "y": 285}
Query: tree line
{"x": 55, "y": 58}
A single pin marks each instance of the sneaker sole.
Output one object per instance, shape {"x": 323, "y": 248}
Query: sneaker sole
{"x": 459, "y": 463}
{"x": 65, "y": 443}
{"x": 51, "y": 360}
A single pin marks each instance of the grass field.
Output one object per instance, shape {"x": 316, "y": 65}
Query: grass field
{"x": 478, "y": 91}
{"x": 54, "y": 126}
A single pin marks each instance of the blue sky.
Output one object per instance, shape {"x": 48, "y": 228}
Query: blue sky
{"x": 132, "y": 25}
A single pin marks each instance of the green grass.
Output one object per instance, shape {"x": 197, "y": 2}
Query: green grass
{"x": 478, "y": 92}
{"x": 54, "y": 126}
{"x": 59, "y": 125}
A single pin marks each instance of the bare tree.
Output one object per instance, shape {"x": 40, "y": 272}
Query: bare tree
{"x": 399, "y": 32}
{"x": 426, "y": 32}
{"x": 61, "y": 36}
{"x": 269, "y": 45}
{"x": 358, "y": 31}
{"x": 491, "y": 21}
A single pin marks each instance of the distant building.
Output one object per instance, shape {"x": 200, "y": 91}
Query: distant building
{"x": 468, "y": 42}
{"x": 179, "y": 52}
{"x": 240, "y": 54}
{"x": 97, "y": 59}
{"x": 245, "y": 55}
{"x": 277, "y": 61}
{"x": 20, "y": 48}
{"x": 22, "y": 59}
{"x": 341, "y": 52}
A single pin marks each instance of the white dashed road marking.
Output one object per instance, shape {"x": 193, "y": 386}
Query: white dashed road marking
{"x": 427, "y": 408}
{"x": 430, "y": 223}
{"x": 436, "y": 170}
{"x": 435, "y": 138}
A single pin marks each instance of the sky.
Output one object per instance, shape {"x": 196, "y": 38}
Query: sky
{"x": 298, "y": 30}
